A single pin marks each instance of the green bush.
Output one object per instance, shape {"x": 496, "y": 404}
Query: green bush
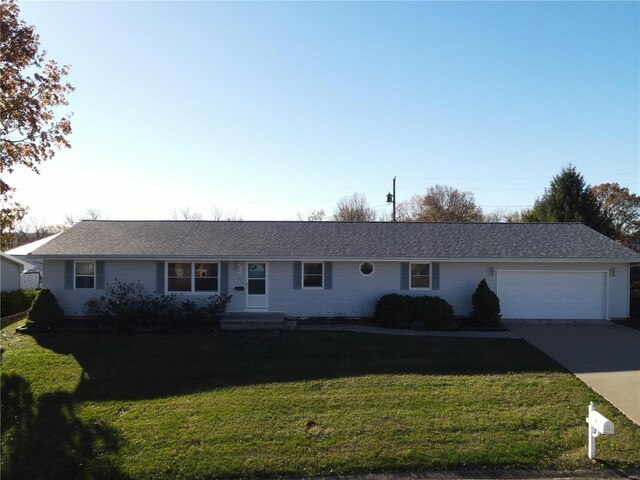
{"x": 16, "y": 301}
{"x": 131, "y": 305}
{"x": 45, "y": 311}
{"x": 486, "y": 306}
{"x": 400, "y": 311}
{"x": 434, "y": 312}
{"x": 394, "y": 311}
{"x": 210, "y": 311}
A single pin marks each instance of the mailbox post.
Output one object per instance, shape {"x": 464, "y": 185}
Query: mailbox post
{"x": 598, "y": 425}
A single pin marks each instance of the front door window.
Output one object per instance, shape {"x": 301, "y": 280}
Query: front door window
{"x": 257, "y": 285}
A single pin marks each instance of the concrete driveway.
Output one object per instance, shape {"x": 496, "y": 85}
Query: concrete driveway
{"x": 603, "y": 355}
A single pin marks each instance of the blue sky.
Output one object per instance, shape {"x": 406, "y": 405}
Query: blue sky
{"x": 270, "y": 109}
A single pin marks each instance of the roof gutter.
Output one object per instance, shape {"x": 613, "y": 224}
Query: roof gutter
{"x": 235, "y": 258}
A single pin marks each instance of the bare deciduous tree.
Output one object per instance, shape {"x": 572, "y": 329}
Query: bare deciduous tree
{"x": 441, "y": 204}
{"x": 502, "y": 215}
{"x": 219, "y": 215}
{"x": 409, "y": 210}
{"x": 354, "y": 209}
{"x": 93, "y": 214}
{"x": 314, "y": 216}
{"x": 90, "y": 214}
{"x": 185, "y": 214}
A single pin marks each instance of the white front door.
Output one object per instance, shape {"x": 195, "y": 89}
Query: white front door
{"x": 257, "y": 286}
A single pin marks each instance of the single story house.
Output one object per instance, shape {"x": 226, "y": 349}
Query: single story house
{"x": 538, "y": 270}
{"x": 32, "y": 276}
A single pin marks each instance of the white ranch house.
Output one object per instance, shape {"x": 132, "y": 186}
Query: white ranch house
{"x": 538, "y": 270}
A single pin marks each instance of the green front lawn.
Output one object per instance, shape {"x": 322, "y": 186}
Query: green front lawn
{"x": 200, "y": 405}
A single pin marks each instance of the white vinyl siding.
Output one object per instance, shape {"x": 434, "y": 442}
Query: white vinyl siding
{"x": 352, "y": 295}
{"x": 10, "y": 279}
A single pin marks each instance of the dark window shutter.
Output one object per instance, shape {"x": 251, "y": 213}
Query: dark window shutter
{"x": 68, "y": 274}
{"x": 160, "y": 278}
{"x": 100, "y": 275}
{"x": 404, "y": 276}
{"x": 297, "y": 275}
{"x": 435, "y": 276}
{"x": 224, "y": 278}
{"x": 328, "y": 275}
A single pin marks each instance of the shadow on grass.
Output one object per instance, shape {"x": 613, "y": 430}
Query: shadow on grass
{"x": 46, "y": 439}
{"x": 139, "y": 366}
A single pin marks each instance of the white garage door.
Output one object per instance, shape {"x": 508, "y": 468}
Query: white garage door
{"x": 546, "y": 294}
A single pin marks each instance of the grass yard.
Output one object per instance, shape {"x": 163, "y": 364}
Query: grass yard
{"x": 199, "y": 405}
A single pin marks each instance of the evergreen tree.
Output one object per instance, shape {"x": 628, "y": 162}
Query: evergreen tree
{"x": 486, "y": 306}
{"x": 569, "y": 199}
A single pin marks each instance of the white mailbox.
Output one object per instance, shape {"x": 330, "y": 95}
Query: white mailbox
{"x": 598, "y": 425}
{"x": 601, "y": 424}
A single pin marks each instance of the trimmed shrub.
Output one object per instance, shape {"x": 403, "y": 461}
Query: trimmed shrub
{"x": 209, "y": 312}
{"x": 486, "y": 306}
{"x": 131, "y": 305}
{"x": 402, "y": 311}
{"x": 16, "y": 301}
{"x": 434, "y": 312}
{"x": 45, "y": 311}
{"x": 394, "y": 311}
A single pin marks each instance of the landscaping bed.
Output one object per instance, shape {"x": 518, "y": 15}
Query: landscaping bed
{"x": 200, "y": 405}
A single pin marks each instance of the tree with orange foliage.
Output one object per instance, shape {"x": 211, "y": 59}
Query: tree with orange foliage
{"x": 623, "y": 208}
{"x": 32, "y": 88}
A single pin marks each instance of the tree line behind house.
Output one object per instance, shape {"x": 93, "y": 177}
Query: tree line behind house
{"x": 607, "y": 208}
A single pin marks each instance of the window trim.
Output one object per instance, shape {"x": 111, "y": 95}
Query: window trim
{"x": 321, "y": 287}
{"x": 193, "y": 278}
{"x": 75, "y": 274}
{"x": 411, "y": 287}
{"x": 373, "y": 265}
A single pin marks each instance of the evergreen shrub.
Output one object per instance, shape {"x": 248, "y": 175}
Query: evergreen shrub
{"x": 486, "y": 306}
{"x": 45, "y": 311}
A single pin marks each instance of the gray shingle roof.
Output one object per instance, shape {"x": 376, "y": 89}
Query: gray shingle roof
{"x": 336, "y": 240}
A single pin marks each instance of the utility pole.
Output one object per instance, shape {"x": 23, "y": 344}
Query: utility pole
{"x": 391, "y": 198}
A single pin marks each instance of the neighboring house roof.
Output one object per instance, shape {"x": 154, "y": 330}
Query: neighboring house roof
{"x": 27, "y": 248}
{"x": 15, "y": 261}
{"x": 334, "y": 240}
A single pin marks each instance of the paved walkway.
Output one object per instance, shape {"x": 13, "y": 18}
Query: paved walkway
{"x": 632, "y": 473}
{"x": 604, "y": 355}
{"x": 410, "y": 333}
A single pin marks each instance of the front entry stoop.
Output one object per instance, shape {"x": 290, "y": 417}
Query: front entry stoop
{"x": 236, "y": 321}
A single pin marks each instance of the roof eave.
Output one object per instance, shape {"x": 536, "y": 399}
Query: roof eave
{"x": 338, "y": 259}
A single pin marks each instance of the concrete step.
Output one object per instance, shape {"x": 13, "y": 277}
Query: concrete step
{"x": 290, "y": 325}
{"x": 237, "y": 326}
{"x": 236, "y": 321}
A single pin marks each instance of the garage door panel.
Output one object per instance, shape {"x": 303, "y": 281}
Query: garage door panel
{"x": 552, "y": 294}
